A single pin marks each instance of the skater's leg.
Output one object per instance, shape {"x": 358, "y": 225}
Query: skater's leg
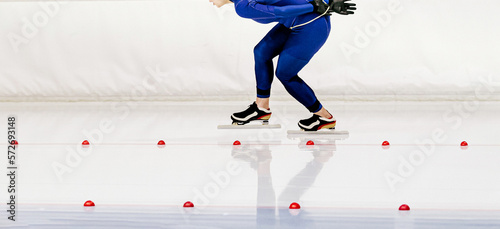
{"x": 268, "y": 48}
{"x": 264, "y": 52}
{"x": 286, "y": 72}
{"x": 302, "y": 44}
{"x": 262, "y": 102}
{"x": 324, "y": 113}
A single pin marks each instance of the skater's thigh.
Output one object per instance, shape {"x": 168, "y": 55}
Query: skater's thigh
{"x": 272, "y": 44}
{"x": 304, "y": 42}
{"x": 300, "y": 47}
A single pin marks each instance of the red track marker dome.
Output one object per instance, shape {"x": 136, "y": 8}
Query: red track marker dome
{"x": 404, "y": 207}
{"x": 188, "y": 204}
{"x": 294, "y": 206}
{"x": 89, "y": 203}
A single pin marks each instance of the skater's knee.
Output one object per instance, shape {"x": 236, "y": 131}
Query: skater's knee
{"x": 281, "y": 77}
{"x": 259, "y": 52}
{"x": 289, "y": 67}
{"x": 263, "y": 52}
{"x": 285, "y": 75}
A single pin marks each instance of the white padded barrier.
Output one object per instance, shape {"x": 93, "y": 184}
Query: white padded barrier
{"x": 190, "y": 50}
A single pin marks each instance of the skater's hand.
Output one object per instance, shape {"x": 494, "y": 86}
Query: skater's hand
{"x": 342, "y": 7}
{"x": 320, "y": 7}
{"x": 220, "y": 3}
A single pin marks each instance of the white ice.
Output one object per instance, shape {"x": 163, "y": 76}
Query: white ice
{"x": 344, "y": 181}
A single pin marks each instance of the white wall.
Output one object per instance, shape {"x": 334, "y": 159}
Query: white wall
{"x": 102, "y": 50}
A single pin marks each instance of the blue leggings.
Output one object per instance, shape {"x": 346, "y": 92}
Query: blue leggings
{"x": 295, "y": 48}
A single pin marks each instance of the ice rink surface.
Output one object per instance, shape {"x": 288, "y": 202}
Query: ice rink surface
{"x": 342, "y": 181}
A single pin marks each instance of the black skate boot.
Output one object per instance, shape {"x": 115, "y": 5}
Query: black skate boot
{"x": 252, "y": 113}
{"x": 316, "y": 123}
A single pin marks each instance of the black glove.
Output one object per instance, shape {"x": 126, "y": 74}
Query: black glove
{"x": 320, "y": 7}
{"x": 342, "y": 7}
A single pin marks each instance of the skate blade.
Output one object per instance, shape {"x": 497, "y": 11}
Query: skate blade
{"x": 250, "y": 126}
{"x": 319, "y": 132}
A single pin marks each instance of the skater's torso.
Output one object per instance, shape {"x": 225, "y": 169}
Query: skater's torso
{"x": 289, "y": 21}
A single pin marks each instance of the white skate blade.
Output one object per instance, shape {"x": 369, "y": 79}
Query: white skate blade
{"x": 319, "y": 132}
{"x": 249, "y": 126}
